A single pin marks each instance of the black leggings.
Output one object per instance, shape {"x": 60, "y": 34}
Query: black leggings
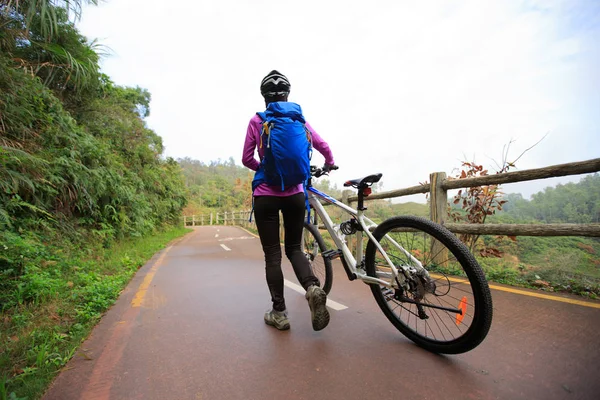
{"x": 266, "y": 214}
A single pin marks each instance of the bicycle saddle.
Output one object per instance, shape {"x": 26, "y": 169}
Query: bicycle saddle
{"x": 363, "y": 182}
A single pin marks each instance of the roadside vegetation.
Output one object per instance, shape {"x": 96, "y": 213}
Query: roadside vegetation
{"x": 565, "y": 263}
{"x": 86, "y": 197}
{"x": 60, "y": 297}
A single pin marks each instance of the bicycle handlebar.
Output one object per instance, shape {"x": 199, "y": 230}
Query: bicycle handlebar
{"x": 320, "y": 171}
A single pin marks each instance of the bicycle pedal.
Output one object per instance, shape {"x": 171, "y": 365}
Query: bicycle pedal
{"x": 332, "y": 254}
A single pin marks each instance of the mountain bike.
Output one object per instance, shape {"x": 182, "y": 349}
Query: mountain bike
{"x": 422, "y": 276}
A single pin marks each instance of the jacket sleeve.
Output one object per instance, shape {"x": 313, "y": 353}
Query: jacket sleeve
{"x": 321, "y": 145}
{"x": 249, "y": 147}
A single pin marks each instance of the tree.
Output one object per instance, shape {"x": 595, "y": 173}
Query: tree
{"x": 45, "y": 10}
{"x": 477, "y": 203}
{"x": 72, "y": 144}
{"x": 40, "y": 39}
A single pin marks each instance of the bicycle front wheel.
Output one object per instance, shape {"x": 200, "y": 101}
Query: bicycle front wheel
{"x": 448, "y": 312}
{"x": 313, "y": 247}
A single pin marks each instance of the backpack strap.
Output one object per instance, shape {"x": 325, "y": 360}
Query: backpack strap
{"x": 306, "y": 203}
{"x": 305, "y": 183}
{"x": 251, "y": 211}
{"x": 308, "y": 135}
{"x": 266, "y": 127}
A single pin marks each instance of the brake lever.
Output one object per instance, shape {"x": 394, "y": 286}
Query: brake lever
{"x": 319, "y": 173}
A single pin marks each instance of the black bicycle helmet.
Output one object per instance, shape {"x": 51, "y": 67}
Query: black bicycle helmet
{"x": 274, "y": 84}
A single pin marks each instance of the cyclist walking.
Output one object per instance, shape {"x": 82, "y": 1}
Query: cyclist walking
{"x": 269, "y": 200}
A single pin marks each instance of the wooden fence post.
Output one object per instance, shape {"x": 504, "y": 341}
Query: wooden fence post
{"x": 438, "y": 211}
{"x": 211, "y": 218}
{"x": 438, "y": 205}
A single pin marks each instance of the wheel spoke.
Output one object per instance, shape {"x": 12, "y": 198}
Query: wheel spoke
{"x": 313, "y": 247}
{"x": 453, "y": 272}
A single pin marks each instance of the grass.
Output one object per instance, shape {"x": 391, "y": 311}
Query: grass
{"x": 411, "y": 208}
{"x": 60, "y": 298}
{"x": 553, "y": 264}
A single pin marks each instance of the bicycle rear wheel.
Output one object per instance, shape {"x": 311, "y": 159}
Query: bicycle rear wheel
{"x": 313, "y": 247}
{"x": 450, "y": 312}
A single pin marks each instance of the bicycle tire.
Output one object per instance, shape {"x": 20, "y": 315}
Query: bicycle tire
{"x": 320, "y": 266}
{"x": 447, "y": 332}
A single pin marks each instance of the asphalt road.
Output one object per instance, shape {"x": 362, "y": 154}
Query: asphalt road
{"x": 190, "y": 326}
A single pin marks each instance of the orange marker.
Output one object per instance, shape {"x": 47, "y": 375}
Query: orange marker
{"x": 463, "y": 307}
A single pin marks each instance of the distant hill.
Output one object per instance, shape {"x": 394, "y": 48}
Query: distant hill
{"x": 568, "y": 203}
{"x": 224, "y": 186}
{"x": 411, "y": 208}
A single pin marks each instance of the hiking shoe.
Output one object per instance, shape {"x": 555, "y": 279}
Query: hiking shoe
{"x": 317, "y": 298}
{"x": 278, "y": 319}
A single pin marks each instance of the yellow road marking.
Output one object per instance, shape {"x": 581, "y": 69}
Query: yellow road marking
{"x": 547, "y": 296}
{"x": 528, "y": 293}
{"x": 450, "y": 278}
{"x": 141, "y": 292}
{"x": 246, "y": 230}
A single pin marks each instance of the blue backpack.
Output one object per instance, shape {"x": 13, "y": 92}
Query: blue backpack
{"x": 287, "y": 145}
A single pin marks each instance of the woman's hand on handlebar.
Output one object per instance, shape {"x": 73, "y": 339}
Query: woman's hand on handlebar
{"x": 329, "y": 167}
{"x": 317, "y": 172}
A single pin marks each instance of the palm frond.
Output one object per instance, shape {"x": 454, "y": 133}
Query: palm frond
{"x": 62, "y": 64}
{"x": 46, "y": 10}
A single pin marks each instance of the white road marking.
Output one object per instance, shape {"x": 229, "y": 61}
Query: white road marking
{"x": 236, "y": 238}
{"x": 330, "y": 303}
{"x": 217, "y": 235}
{"x": 225, "y": 247}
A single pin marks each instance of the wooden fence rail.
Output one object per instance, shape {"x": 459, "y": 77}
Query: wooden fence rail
{"x": 219, "y": 218}
{"x": 438, "y": 192}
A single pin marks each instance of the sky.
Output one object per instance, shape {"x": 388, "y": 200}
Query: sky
{"x": 404, "y": 88}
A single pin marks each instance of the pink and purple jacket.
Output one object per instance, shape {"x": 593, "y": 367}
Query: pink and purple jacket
{"x": 251, "y": 144}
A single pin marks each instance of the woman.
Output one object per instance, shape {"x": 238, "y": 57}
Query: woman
{"x": 268, "y": 202}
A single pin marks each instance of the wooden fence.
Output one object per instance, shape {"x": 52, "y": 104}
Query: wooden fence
{"x": 240, "y": 218}
{"x": 438, "y": 191}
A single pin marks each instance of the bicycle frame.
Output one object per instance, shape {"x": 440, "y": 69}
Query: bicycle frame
{"x": 411, "y": 298}
{"x": 354, "y": 261}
